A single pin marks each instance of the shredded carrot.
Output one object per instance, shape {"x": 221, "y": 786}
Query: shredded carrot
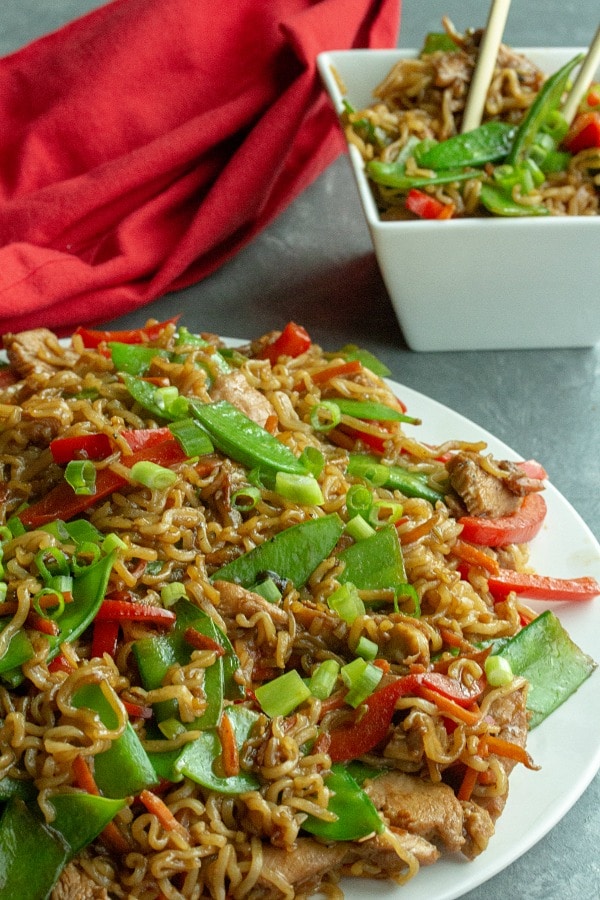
{"x": 137, "y": 710}
{"x": 476, "y": 557}
{"x": 469, "y": 716}
{"x": 271, "y": 424}
{"x": 229, "y": 751}
{"x": 509, "y": 750}
{"x": 419, "y": 531}
{"x": 83, "y": 776}
{"x": 112, "y": 838}
{"x": 159, "y": 808}
{"x": 39, "y": 623}
{"x": 47, "y": 601}
{"x": 382, "y": 664}
{"x": 200, "y": 641}
{"x": 351, "y": 367}
{"x": 451, "y": 638}
{"x": 447, "y": 212}
{"x": 468, "y": 783}
{"x": 340, "y": 439}
{"x": 334, "y": 701}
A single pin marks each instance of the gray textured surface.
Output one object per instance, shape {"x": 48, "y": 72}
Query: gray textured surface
{"x": 315, "y": 264}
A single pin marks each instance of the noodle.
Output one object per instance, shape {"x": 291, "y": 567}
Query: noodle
{"x": 252, "y": 842}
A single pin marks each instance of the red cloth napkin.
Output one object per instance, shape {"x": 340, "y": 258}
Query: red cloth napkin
{"x": 146, "y": 142}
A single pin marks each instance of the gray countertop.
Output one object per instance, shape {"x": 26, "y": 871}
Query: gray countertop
{"x": 315, "y": 265}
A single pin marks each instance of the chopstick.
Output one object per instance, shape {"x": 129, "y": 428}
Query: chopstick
{"x": 583, "y": 80}
{"x": 486, "y": 62}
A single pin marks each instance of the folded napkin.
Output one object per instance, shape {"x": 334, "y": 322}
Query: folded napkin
{"x": 145, "y": 143}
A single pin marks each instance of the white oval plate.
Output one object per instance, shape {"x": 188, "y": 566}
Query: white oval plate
{"x": 565, "y": 548}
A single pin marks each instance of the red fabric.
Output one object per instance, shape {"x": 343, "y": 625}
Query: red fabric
{"x": 145, "y": 143}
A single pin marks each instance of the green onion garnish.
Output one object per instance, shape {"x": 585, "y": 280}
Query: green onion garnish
{"x": 57, "y": 607}
{"x": 302, "y": 489}
{"x": 172, "y": 592}
{"x": 346, "y": 602}
{"x": 359, "y": 500}
{"x": 112, "y": 542}
{"x": 246, "y": 498}
{"x": 498, "y": 671}
{"x": 325, "y": 415}
{"x": 282, "y": 695}
{"x": 323, "y": 679}
{"x": 313, "y": 460}
{"x": 358, "y": 528}
{"x": 171, "y": 728}
{"x": 86, "y": 555}
{"x": 384, "y": 511}
{"x": 361, "y": 678}
{"x": 366, "y": 648}
{"x": 81, "y": 475}
{"x": 268, "y": 590}
{"x": 152, "y": 476}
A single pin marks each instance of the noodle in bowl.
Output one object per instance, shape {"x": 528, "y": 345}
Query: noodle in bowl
{"x": 171, "y": 544}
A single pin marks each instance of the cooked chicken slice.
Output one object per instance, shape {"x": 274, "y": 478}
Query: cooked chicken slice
{"x": 35, "y": 351}
{"x": 236, "y": 599}
{"x": 483, "y": 493}
{"x": 423, "y": 808}
{"x": 234, "y": 388}
{"x": 74, "y": 884}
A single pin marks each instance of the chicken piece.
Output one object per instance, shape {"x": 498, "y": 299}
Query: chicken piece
{"x": 36, "y": 351}
{"x": 74, "y": 884}
{"x": 510, "y": 712}
{"x": 308, "y": 861}
{"x": 234, "y": 388}
{"x": 430, "y": 811}
{"x": 236, "y": 599}
{"x": 483, "y": 493}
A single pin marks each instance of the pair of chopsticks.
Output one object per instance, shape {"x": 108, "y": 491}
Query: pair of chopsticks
{"x": 486, "y": 61}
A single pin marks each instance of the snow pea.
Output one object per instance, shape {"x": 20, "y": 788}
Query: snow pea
{"x": 89, "y": 589}
{"x": 292, "y": 554}
{"x": 148, "y": 396}
{"x": 500, "y": 202}
{"x": 199, "y": 760}
{"x": 26, "y": 838}
{"x": 544, "y": 654}
{"x": 356, "y": 813}
{"x": 242, "y": 439}
{"x": 489, "y": 142}
{"x": 135, "y": 359}
{"x": 395, "y": 478}
{"x": 540, "y": 112}
{"x": 125, "y": 768}
{"x": 394, "y": 176}
{"x": 375, "y": 562}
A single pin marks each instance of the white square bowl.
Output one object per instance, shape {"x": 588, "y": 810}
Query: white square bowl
{"x": 478, "y": 283}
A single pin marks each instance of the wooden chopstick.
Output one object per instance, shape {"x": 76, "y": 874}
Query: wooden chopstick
{"x": 583, "y": 80}
{"x": 486, "y": 61}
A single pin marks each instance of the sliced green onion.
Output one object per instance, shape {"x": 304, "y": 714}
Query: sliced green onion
{"x": 384, "y": 511}
{"x": 81, "y": 531}
{"x": 325, "y": 415}
{"x": 346, "y": 602}
{"x": 282, "y": 695}
{"x": 268, "y": 590}
{"x": 188, "y": 339}
{"x": 81, "y": 475}
{"x": 61, "y": 584}
{"x": 172, "y": 592}
{"x": 358, "y": 528}
{"x": 5, "y": 534}
{"x": 16, "y": 526}
{"x": 498, "y": 671}
{"x": 361, "y": 678}
{"x": 51, "y": 561}
{"x": 152, "y": 476}
{"x": 323, "y": 679}
{"x": 86, "y": 555}
{"x": 302, "y": 489}
{"x": 45, "y": 613}
{"x": 112, "y": 542}
{"x": 171, "y": 728}
{"x": 192, "y": 437}
{"x": 359, "y": 500}
{"x": 313, "y": 460}
{"x": 3, "y": 591}
{"x": 366, "y": 648}
{"x": 246, "y": 498}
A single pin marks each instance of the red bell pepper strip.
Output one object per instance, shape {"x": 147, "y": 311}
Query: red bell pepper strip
{"x": 293, "y": 341}
{"x": 427, "y": 207}
{"x": 532, "y": 469}
{"x": 518, "y": 528}
{"x": 105, "y": 637}
{"x": 541, "y": 587}
{"x": 584, "y": 132}
{"x": 82, "y": 446}
{"x": 122, "y": 610}
{"x": 63, "y": 503}
{"x": 142, "y": 438}
{"x": 371, "y": 726}
{"x": 92, "y": 338}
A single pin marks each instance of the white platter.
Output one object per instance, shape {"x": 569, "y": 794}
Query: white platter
{"x": 565, "y": 548}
